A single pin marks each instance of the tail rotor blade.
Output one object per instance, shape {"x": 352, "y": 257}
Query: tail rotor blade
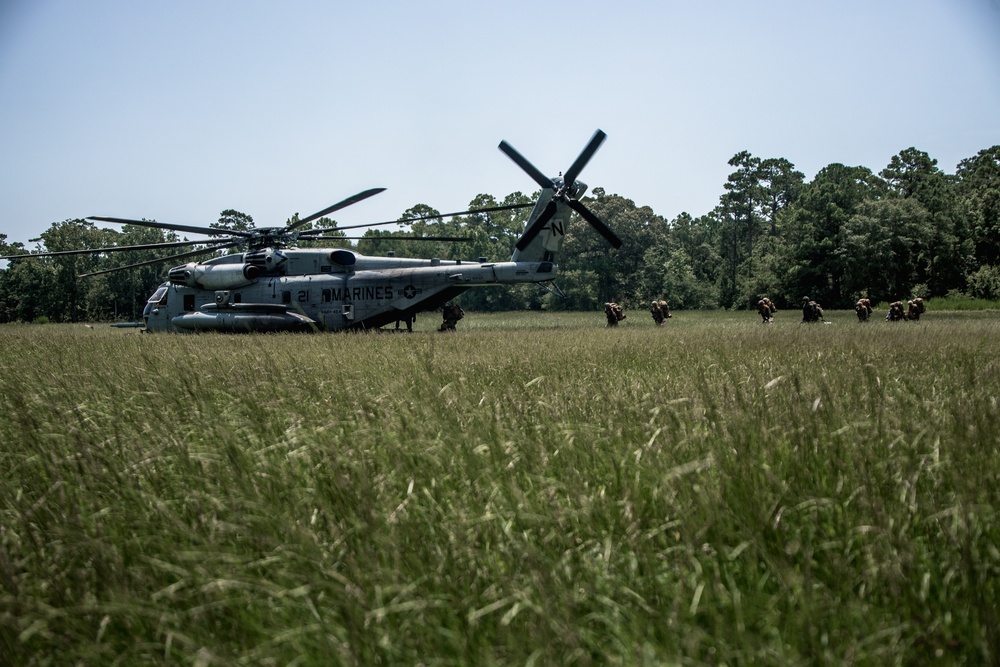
{"x": 523, "y": 163}
{"x": 532, "y": 231}
{"x": 595, "y": 222}
{"x": 584, "y": 157}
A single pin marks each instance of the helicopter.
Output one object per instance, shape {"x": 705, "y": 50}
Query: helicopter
{"x": 271, "y": 285}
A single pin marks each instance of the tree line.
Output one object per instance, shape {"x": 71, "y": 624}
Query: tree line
{"x": 909, "y": 230}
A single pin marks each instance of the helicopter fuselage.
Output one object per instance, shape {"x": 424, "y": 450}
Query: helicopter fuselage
{"x": 321, "y": 289}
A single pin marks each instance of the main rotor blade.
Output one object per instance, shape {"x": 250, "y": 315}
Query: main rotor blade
{"x": 402, "y": 221}
{"x": 584, "y": 157}
{"x": 595, "y": 222}
{"x": 390, "y": 238}
{"x": 523, "y": 163}
{"x": 178, "y": 228}
{"x": 120, "y": 248}
{"x": 182, "y": 255}
{"x": 533, "y": 230}
{"x": 339, "y": 205}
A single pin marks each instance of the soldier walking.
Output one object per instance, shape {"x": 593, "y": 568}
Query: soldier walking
{"x": 660, "y": 311}
{"x": 452, "y": 314}
{"x": 811, "y": 311}
{"x": 766, "y": 310}
{"x": 614, "y": 313}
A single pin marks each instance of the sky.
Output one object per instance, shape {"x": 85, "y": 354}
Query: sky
{"x": 176, "y": 111}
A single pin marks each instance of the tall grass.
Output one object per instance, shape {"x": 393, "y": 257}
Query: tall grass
{"x": 962, "y": 302}
{"x": 534, "y": 489}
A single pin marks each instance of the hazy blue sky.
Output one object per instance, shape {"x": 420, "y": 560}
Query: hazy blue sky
{"x": 178, "y": 110}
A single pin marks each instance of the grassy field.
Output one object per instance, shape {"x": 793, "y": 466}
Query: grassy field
{"x": 533, "y": 489}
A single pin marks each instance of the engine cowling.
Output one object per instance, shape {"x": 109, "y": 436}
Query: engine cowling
{"x": 267, "y": 259}
{"x": 214, "y": 276}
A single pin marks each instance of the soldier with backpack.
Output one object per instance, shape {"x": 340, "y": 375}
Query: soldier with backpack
{"x": 614, "y": 313}
{"x": 660, "y": 311}
{"x": 863, "y": 309}
{"x": 452, "y": 314}
{"x": 766, "y": 310}
{"x": 896, "y": 312}
{"x": 811, "y": 311}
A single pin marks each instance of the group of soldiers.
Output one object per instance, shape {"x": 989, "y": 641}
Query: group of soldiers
{"x": 658, "y": 308}
{"x": 452, "y": 314}
{"x": 660, "y": 311}
{"x": 914, "y": 309}
{"x": 813, "y": 312}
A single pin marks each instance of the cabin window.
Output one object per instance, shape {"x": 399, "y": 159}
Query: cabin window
{"x": 160, "y": 296}
{"x": 238, "y": 297}
{"x": 189, "y": 302}
{"x": 286, "y": 297}
{"x": 327, "y": 295}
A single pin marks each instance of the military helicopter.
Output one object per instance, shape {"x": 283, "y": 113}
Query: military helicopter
{"x": 270, "y": 285}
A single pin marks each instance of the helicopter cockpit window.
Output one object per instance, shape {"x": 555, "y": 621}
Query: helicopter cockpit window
{"x": 160, "y": 296}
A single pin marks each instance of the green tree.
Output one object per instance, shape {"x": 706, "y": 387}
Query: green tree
{"x": 979, "y": 191}
{"x": 578, "y": 291}
{"x": 10, "y": 248}
{"x": 619, "y": 273}
{"x": 232, "y": 220}
{"x": 699, "y": 239}
{"x": 680, "y": 283}
{"x": 335, "y": 238}
{"x": 943, "y": 256}
{"x": 431, "y": 224}
{"x": 127, "y": 289}
{"x": 25, "y": 286}
{"x": 984, "y": 283}
{"x": 499, "y": 229}
{"x": 66, "y": 292}
{"x": 780, "y": 184}
{"x": 881, "y": 248}
{"x": 739, "y": 209}
{"x": 814, "y": 263}
{"x": 757, "y": 194}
